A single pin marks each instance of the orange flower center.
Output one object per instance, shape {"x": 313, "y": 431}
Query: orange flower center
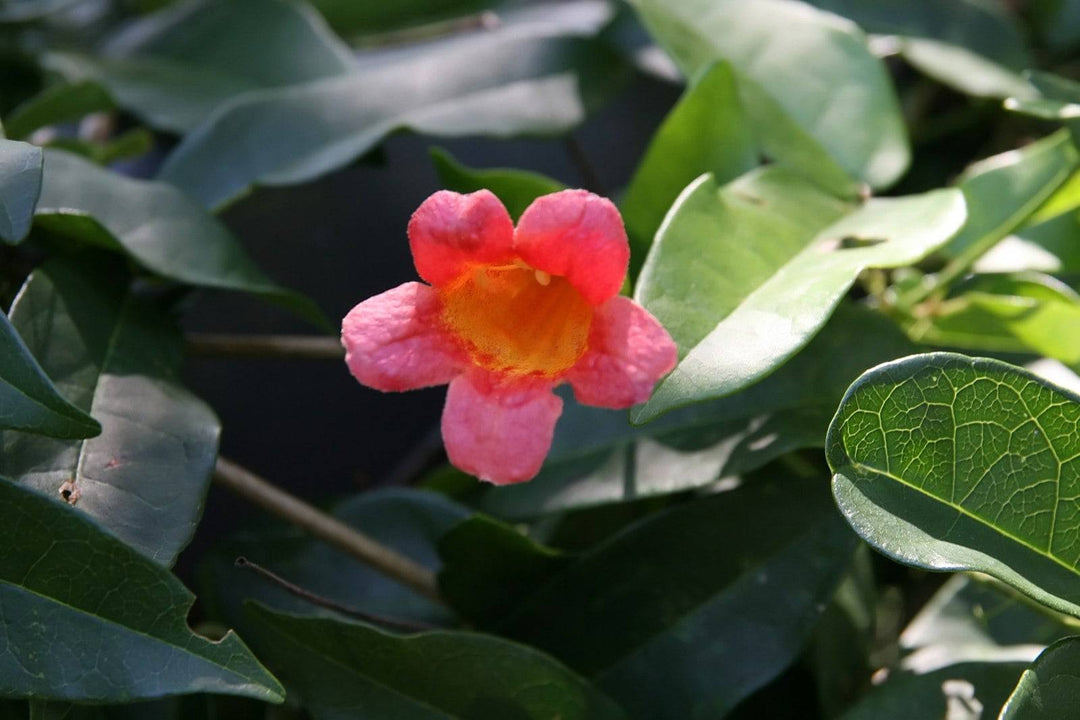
{"x": 518, "y": 320}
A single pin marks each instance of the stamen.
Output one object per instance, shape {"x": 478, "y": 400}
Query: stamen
{"x": 543, "y": 278}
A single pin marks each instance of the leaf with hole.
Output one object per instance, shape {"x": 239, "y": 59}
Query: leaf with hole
{"x": 67, "y": 635}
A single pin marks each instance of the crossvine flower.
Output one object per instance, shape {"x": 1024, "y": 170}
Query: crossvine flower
{"x": 509, "y": 314}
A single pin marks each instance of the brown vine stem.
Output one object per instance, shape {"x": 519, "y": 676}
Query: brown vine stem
{"x": 310, "y": 347}
{"x": 329, "y": 529}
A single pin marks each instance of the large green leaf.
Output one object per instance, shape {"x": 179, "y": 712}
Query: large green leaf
{"x": 974, "y": 47}
{"x": 535, "y": 79}
{"x": 707, "y": 131}
{"x": 28, "y": 399}
{"x": 948, "y": 462}
{"x": 346, "y": 670}
{"x": 114, "y": 355}
{"x": 1018, "y": 313}
{"x": 743, "y": 278}
{"x": 516, "y": 188}
{"x": 174, "y": 67}
{"x": 157, "y": 226}
{"x": 690, "y": 610}
{"x": 87, "y": 618}
{"x": 406, "y": 520}
{"x": 1050, "y": 688}
{"x": 785, "y": 48}
{"x": 20, "y": 185}
{"x": 598, "y": 457}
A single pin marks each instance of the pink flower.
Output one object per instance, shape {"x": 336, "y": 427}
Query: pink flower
{"x": 509, "y": 314}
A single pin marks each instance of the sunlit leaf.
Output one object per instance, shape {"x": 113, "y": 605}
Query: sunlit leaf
{"x": 785, "y": 48}
{"x": 952, "y": 463}
{"x": 743, "y": 279}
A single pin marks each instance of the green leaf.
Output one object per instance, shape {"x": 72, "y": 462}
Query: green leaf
{"x": 113, "y": 354}
{"x": 964, "y": 691}
{"x": 131, "y": 144}
{"x": 1019, "y": 313}
{"x": 535, "y": 80}
{"x": 491, "y": 567}
{"x": 176, "y": 66}
{"x": 707, "y": 131}
{"x": 87, "y": 618}
{"x": 157, "y": 226}
{"x": 28, "y": 399}
{"x": 1050, "y": 688}
{"x": 784, "y": 48}
{"x": 972, "y": 618}
{"x": 63, "y": 102}
{"x": 598, "y": 457}
{"x": 409, "y": 521}
{"x": 963, "y": 70}
{"x": 29, "y": 10}
{"x": 948, "y": 463}
{"x": 1002, "y": 191}
{"x": 739, "y": 306}
{"x": 516, "y": 188}
{"x": 720, "y": 593}
{"x": 20, "y": 185}
{"x": 341, "y": 670}
{"x": 364, "y": 17}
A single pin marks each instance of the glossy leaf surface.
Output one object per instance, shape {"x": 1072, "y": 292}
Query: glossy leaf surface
{"x": 1050, "y": 688}
{"x": 20, "y": 185}
{"x": 948, "y": 463}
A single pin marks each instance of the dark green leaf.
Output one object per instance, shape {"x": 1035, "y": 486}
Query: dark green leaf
{"x": 364, "y": 17}
{"x": 534, "y": 80}
{"x": 63, "y": 102}
{"x": 1020, "y": 313}
{"x": 785, "y": 48}
{"x": 87, "y": 618}
{"x": 1050, "y": 688}
{"x": 114, "y": 355}
{"x": 516, "y": 188}
{"x": 706, "y": 132}
{"x": 174, "y": 67}
{"x": 131, "y": 144}
{"x": 408, "y": 521}
{"x": 157, "y": 226}
{"x": 16, "y": 11}
{"x": 947, "y": 462}
{"x": 28, "y": 399}
{"x": 690, "y": 610}
{"x": 20, "y": 185}
{"x": 745, "y": 275}
{"x": 598, "y": 457}
{"x": 491, "y": 567}
{"x": 347, "y": 670}
{"x": 964, "y": 691}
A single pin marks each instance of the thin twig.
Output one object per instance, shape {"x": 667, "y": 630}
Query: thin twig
{"x": 327, "y": 528}
{"x": 311, "y": 347}
{"x": 308, "y": 596}
{"x": 589, "y": 177}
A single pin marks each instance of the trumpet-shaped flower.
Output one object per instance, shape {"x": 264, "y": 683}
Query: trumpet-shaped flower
{"x": 509, "y": 314}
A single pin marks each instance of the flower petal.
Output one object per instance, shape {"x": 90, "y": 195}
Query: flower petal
{"x": 578, "y": 235}
{"x": 497, "y": 430}
{"x": 450, "y": 230}
{"x": 394, "y": 341}
{"x": 629, "y": 351}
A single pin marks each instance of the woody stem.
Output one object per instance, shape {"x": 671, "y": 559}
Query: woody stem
{"x": 329, "y": 529}
{"x": 310, "y": 347}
